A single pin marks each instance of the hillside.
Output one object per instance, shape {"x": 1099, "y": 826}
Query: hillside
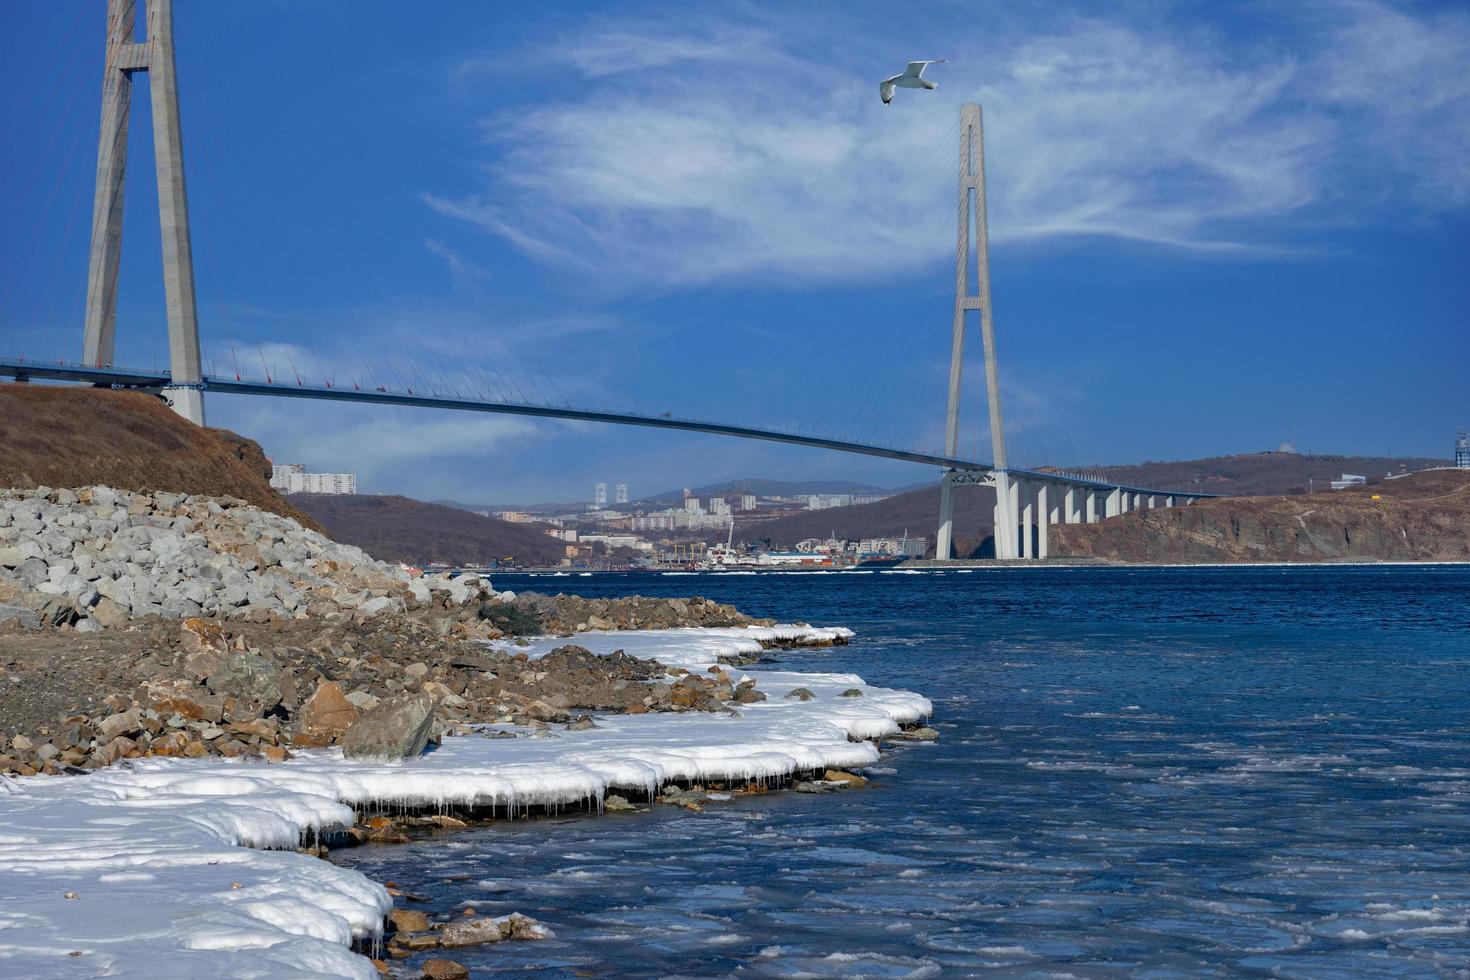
{"x": 63, "y": 436}
{"x": 1422, "y": 517}
{"x": 404, "y": 530}
{"x": 916, "y": 511}
{"x": 1251, "y": 474}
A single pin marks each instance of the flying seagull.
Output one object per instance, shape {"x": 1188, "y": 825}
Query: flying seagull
{"x": 912, "y": 77}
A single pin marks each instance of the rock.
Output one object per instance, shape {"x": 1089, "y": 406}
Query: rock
{"x": 12, "y": 557}
{"x": 250, "y": 677}
{"x": 613, "y": 803}
{"x": 812, "y": 786}
{"x": 396, "y": 728}
{"x": 471, "y": 930}
{"x": 852, "y": 692}
{"x": 921, "y": 734}
{"x": 362, "y": 700}
{"x": 327, "y": 710}
{"x": 525, "y": 927}
{"x": 27, "y": 618}
{"x": 475, "y": 930}
{"x": 437, "y": 969}
{"x": 407, "y": 920}
{"x": 447, "y": 822}
{"x": 122, "y": 723}
{"x": 200, "y": 635}
{"x": 799, "y": 694}
{"x": 851, "y": 779}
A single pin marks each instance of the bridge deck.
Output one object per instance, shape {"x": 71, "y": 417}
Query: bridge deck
{"x": 131, "y": 378}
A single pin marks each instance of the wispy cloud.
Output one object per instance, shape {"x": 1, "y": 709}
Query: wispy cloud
{"x": 724, "y": 149}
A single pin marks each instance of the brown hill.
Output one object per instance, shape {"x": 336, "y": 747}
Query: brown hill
{"x": 1252, "y": 474}
{"x": 405, "y": 530}
{"x": 58, "y": 436}
{"x": 1422, "y": 517}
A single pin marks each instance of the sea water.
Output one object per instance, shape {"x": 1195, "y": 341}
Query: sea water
{"x": 1151, "y": 772}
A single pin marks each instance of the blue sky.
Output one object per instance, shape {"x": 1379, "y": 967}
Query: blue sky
{"x": 1215, "y": 227}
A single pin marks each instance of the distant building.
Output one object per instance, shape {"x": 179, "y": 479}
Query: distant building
{"x": 1349, "y": 480}
{"x": 563, "y": 534}
{"x": 747, "y": 501}
{"x": 618, "y": 541}
{"x": 822, "y": 501}
{"x": 293, "y": 478}
{"x": 599, "y": 496}
{"x": 719, "y": 505}
{"x": 514, "y": 516}
{"x": 691, "y": 505}
{"x": 1462, "y": 450}
{"x": 620, "y": 493}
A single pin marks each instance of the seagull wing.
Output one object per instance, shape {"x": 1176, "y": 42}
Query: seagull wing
{"x": 916, "y": 68}
{"x": 885, "y": 89}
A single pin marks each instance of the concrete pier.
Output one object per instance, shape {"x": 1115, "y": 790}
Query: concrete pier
{"x": 124, "y": 57}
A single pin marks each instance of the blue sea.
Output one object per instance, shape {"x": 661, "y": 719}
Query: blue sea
{"x": 1146, "y": 772}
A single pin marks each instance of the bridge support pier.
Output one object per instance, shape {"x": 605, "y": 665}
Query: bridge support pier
{"x": 1044, "y": 494}
{"x": 972, "y": 208}
{"x": 943, "y": 541}
{"x": 125, "y": 57}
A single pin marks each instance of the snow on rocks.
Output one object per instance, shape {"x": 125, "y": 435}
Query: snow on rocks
{"x": 164, "y": 855}
{"x": 97, "y": 557}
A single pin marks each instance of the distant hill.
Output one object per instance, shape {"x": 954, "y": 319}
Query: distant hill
{"x": 405, "y": 530}
{"x": 1420, "y": 517}
{"x": 757, "y": 486}
{"x": 1259, "y": 473}
{"x": 64, "y": 436}
{"x": 918, "y": 510}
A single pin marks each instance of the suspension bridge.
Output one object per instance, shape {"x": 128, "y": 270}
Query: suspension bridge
{"x": 1028, "y": 501}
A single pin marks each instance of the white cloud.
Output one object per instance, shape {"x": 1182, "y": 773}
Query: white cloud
{"x": 715, "y": 151}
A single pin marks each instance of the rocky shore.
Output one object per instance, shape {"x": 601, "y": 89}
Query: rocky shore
{"x": 167, "y": 624}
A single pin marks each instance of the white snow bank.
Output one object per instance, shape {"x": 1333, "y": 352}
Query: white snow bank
{"x": 163, "y": 856}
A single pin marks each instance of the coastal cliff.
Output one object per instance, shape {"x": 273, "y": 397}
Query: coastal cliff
{"x": 1422, "y": 517}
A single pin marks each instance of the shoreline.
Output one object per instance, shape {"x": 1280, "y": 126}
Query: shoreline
{"x": 279, "y": 907}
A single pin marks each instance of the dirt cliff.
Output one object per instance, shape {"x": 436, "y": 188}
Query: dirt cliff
{"x": 1422, "y": 517}
{"x": 55, "y": 436}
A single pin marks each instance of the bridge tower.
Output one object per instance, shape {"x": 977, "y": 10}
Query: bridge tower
{"x": 125, "y": 57}
{"x": 972, "y": 211}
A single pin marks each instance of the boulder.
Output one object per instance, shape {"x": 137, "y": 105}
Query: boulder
{"x": 407, "y": 920}
{"x": 472, "y": 930}
{"x": 327, "y": 710}
{"x": 395, "y": 728}
{"x": 437, "y": 969}
{"x": 248, "y": 676}
{"x": 109, "y": 613}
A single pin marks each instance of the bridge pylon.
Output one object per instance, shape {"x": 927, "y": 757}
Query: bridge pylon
{"x": 125, "y": 56}
{"x": 973, "y": 225}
